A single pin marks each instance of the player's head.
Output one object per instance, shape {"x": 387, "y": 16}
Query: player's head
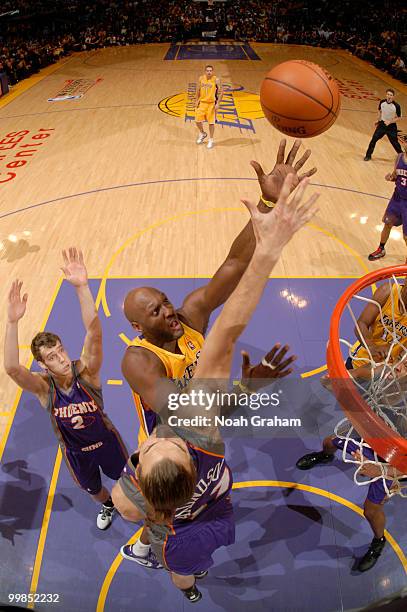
{"x": 209, "y": 70}
{"x": 150, "y": 312}
{"x": 48, "y": 351}
{"x": 166, "y": 474}
{"x": 390, "y": 95}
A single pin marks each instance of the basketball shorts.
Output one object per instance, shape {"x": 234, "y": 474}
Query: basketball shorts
{"x": 190, "y": 549}
{"x": 396, "y": 212}
{"x": 376, "y": 492}
{"x": 205, "y": 112}
{"x": 85, "y": 466}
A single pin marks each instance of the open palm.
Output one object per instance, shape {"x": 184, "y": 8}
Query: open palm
{"x": 74, "y": 267}
{"x": 16, "y": 303}
{"x": 272, "y": 183}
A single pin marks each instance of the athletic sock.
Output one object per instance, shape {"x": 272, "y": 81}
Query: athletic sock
{"x": 382, "y": 245}
{"x": 140, "y": 549}
{"x": 109, "y": 503}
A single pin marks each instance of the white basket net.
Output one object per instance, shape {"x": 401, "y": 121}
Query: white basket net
{"x": 383, "y": 387}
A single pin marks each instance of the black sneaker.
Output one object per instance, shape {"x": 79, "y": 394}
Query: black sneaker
{"x": 367, "y": 158}
{"x": 377, "y": 254}
{"x": 201, "y": 575}
{"x": 372, "y": 555}
{"x": 307, "y": 462}
{"x": 192, "y": 594}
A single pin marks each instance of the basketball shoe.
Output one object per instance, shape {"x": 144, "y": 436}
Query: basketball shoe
{"x": 377, "y": 254}
{"x": 201, "y": 137}
{"x": 150, "y": 560}
{"x": 372, "y": 555}
{"x": 105, "y": 517}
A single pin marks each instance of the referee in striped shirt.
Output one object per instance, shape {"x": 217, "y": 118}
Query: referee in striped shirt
{"x": 389, "y": 114}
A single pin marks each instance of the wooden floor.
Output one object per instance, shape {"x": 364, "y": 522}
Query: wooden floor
{"x": 126, "y": 182}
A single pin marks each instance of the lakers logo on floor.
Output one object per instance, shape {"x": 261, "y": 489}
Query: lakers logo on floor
{"x": 238, "y": 108}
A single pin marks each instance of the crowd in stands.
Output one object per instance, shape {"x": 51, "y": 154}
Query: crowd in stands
{"x": 35, "y": 34}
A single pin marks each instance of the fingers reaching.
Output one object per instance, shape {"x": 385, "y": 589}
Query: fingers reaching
{"x": 285, "y": 190}
{"x": 299, "y": 164}
{"x": 293, "y": 152}
{"x": 306, "y": 174}
{"x": 257, "y": 168}
{"x": 281, "y": 151}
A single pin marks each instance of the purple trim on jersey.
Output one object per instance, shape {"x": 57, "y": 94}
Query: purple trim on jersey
{"x": 150, "y": 418}
{"x": 376, "y": 492}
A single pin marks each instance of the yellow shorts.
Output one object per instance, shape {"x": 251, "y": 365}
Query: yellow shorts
{"x": 205, "y": 112}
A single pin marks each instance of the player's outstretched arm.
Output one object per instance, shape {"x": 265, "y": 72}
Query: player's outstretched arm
{"x": 75, "y": 273}
{"x": 272, "y": 233}
{"x": 199, "y": 304}
{"x": 27, "y": 380}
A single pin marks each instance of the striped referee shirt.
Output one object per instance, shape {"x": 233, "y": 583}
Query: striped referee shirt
{"x": 389, "y": 110}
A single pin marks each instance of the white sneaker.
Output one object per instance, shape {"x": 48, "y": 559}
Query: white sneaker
{"x": 201, "y": 137}
{"x": 210, "y": 144}
{"x": 105, "y": 517}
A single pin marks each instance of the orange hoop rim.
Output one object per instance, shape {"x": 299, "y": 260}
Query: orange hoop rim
{"x": 389, "y": 445}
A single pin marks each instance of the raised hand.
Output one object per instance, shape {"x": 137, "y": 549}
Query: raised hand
{"x": 271, "y": 184}
{"x": 74, "y": 268}
{"x": 254, "y": 377}
{"x": 16, "y": 303}
{"x": 274, "y": 231}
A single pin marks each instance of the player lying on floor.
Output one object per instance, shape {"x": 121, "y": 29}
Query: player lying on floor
{"x": 179, "y": 482}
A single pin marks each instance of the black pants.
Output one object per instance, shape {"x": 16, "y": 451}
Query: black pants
{"x": 384, "y": 130}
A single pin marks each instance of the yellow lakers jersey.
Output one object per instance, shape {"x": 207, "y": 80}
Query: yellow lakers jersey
{"x": 179, "y": 367}
{"x": 207, "y": 89}
{"x": 383, "y": 330}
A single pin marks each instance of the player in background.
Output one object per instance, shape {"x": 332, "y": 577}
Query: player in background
{"x": 389, "y": 112}
{"x": 179, "y": 481}
{"x": 209, "y": 96}
{"x": 373, "y": 507}
{"x": 396, "y": 211}
{"x": 70, "y": 391}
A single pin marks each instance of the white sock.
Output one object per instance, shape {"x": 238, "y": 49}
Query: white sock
{"x": 140, "y": 549}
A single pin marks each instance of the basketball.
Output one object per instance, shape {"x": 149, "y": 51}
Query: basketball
{"x": 300, "y": 98}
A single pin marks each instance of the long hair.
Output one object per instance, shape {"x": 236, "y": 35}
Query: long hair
{"x": 167, "y": 486}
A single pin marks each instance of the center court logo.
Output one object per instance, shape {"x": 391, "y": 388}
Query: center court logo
{"x": 238, "y": 108}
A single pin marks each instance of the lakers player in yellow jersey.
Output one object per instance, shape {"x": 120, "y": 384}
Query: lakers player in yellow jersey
{"x": 209, "y": 95}
{"x": 376, "y": 329}
{"x": 170, "y": 339}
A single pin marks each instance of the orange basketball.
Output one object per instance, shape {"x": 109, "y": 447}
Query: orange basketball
{"x": 300, "y": 98}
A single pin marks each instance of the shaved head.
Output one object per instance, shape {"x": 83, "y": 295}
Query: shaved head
{"x": 137, "y": 301}
{"x": 150, "y": 312}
